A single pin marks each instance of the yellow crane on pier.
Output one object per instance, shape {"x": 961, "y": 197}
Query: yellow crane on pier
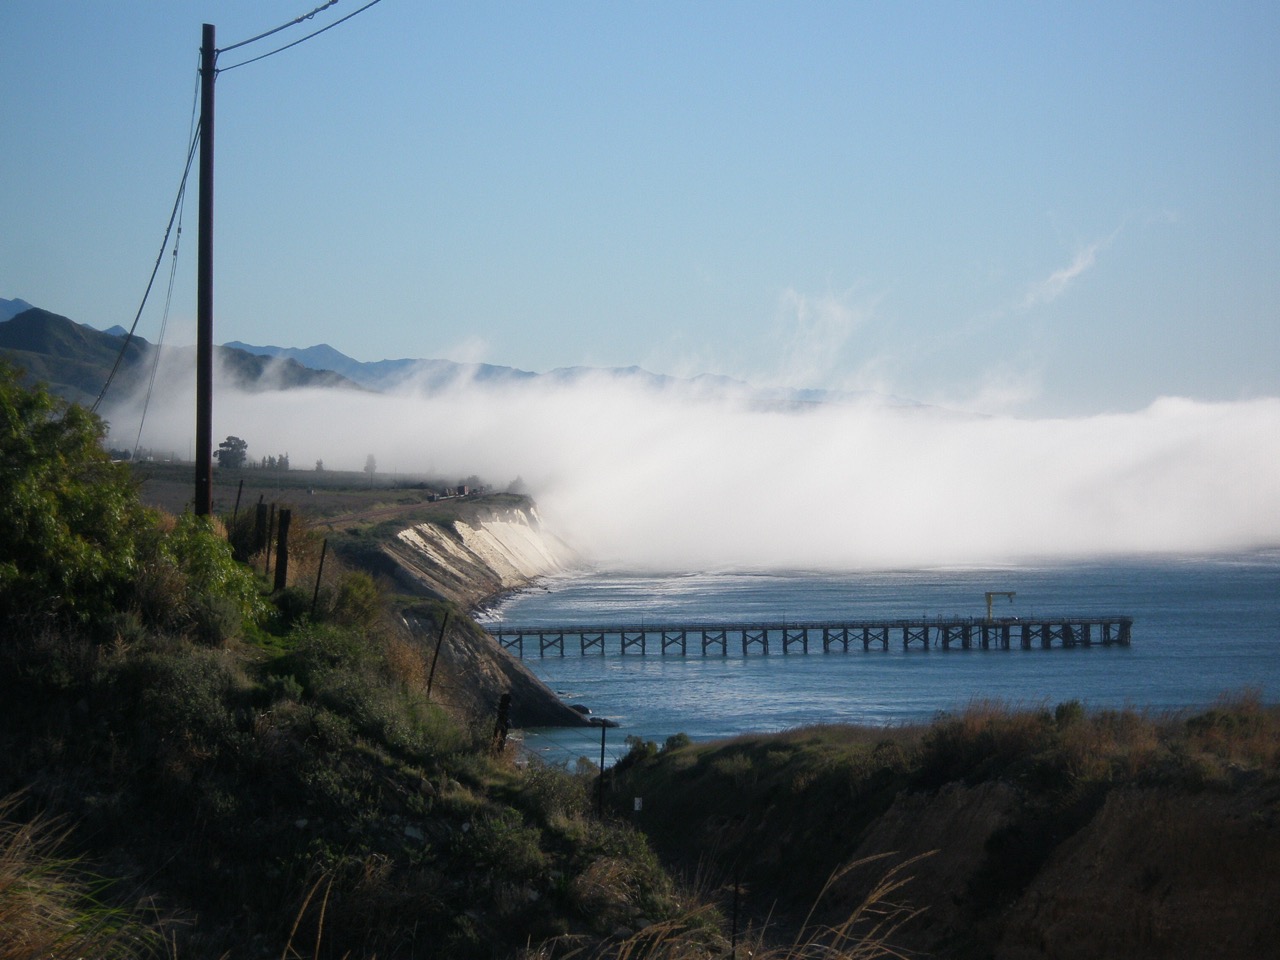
{"x": 992, "y": 594}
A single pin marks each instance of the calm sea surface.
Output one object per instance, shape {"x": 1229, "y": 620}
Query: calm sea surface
{"x": 1203, "y": 626}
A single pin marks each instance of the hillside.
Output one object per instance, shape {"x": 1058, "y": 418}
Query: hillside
{"x": 429, "y": 554}
{"x": 74, "y": 360}
{"x": 1015, "y": 834}
{"x": 199, "y": 765}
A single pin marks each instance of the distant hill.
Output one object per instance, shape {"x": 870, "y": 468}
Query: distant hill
{"x": 74, "y": 359}
{"x": 11, "y": 308}
{"x": 432, "y": 376}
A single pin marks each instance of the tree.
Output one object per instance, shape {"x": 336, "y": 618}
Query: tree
{"x": 71, "y": 524}
{"x": 231, "y": 453}
{"x": 319, "y": 466}
{"x": 370, "y": 467}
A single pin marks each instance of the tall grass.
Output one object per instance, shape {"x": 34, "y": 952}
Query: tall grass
{"x": 702, "y": 932}
{"x": 50, "y": 907}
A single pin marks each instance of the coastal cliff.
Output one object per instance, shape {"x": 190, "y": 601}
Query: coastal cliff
{"x": 480, "y": 550}
{"x": 493, "y": 547}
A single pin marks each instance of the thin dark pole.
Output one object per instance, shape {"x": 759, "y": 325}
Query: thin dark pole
{"x": 282, "y": 549}
{"x": 431, "y": 677}
{"x": 600, "y": 792}
{"x": 315, "y": 596}
{"x": 271, "y": 529}
{"x": 204, "y": 284}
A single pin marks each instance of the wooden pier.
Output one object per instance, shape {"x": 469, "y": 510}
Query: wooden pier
{"x": 708, "y": 639}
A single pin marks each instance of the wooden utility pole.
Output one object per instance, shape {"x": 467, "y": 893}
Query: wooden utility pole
{"x": 204, "y": 284}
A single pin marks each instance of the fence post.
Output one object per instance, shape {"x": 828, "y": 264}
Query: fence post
{"x": 431, "y": 677}
{"x": 282, "y": 549}
{"x": 259, "y": 526}
{"x": 266, "y": 546}
{"x": 324, "y": 548}
{"x": 236, "y": 511}
{"x": 500, "y": 728}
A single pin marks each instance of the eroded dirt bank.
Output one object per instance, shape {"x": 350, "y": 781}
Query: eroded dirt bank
{"x": 488, "y": 550}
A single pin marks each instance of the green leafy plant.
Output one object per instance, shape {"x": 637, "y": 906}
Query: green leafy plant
{"x": 70, "y": 520}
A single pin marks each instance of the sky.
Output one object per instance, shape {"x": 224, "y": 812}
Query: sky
{"x": 1039, "y": 211}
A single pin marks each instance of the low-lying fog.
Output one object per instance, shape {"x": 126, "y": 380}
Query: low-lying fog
{"x": 637, "y": 478}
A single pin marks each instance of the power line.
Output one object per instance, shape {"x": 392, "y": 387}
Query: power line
{"x": 316, "y": 33}
{"x": 173, "y": 216}
{"x": 283, "y": 26}
{"x": 173, "y": 272}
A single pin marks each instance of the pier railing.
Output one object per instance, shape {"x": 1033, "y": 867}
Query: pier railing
{"x": 717, "y": 639}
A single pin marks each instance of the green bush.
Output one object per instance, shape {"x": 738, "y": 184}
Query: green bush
{"x": 70, "y": 519}
{"x": 502, "y": 843}
{"x": 359, "y": 603}
{"x": 552, "y": 793}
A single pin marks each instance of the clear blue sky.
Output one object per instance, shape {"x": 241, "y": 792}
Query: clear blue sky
{"x": 1043, "y": 209}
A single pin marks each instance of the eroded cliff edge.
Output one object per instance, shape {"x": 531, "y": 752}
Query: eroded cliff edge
{"x": 470, "y": 552}
{"x": 490, "y": 549}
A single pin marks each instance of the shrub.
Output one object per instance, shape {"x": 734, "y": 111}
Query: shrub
{"x": 552, "y": 793}
{"x": 502, "y": 843}
{"x": 69, "y": 519}
{"x": 359, "y": 602}
{"x": 1068, "y": 713}
{"x": 675, "y": 742}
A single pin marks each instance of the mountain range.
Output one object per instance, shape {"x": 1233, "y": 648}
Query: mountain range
{"x": 75, "y": 359}
{"x": 431, "y": 376}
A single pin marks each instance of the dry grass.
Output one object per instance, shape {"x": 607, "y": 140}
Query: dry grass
{"x": 699, "y": 932}
{"x": 48, "y": 906}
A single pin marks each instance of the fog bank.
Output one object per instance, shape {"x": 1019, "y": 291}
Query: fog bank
{"x": 640, "y": 478}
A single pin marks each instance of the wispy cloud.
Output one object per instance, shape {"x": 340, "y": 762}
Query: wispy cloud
{"x": 472, "y": 349}
{"x": 1055, "y": 285}
{"x": 813, "y": 332}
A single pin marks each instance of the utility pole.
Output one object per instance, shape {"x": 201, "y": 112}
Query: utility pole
{"x": 204, "y": 284}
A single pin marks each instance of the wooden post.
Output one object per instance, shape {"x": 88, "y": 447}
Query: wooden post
{"x": 431, "y": 676}
{"x": 503, "y": 724}
{"x": 260, "y": 526}
{"x": 236, "y": 510}
{"x": 282, "y": 549}
{"x": 271, "y": 527}
{"x": 315, "y": 596}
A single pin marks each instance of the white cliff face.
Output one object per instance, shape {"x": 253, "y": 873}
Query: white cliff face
{"x": 503, "y": 550}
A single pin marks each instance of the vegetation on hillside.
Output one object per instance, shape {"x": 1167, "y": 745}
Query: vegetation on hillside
{"x": 777, "y": 814}
{"x": 259, "y": 776}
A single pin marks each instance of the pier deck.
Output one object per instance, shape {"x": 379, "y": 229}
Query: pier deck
{"x": 718, "y": 639}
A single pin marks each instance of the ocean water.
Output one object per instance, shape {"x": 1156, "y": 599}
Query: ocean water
{"x": 1204, "y": 627}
